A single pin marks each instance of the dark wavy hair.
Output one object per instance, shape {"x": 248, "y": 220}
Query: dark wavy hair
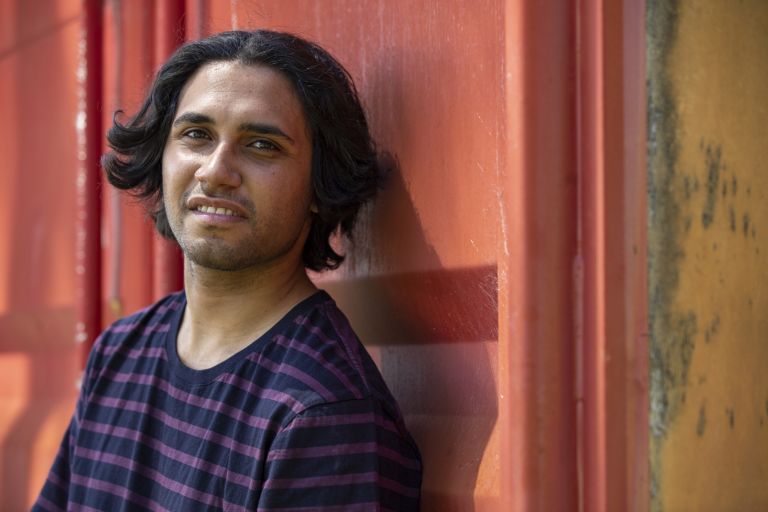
{"x": 346, "y": 168}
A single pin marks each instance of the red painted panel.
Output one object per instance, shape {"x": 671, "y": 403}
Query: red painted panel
{"x": 421, "y": 282}
{"x": 127, "y": 234}
{"x": 536, "y": 296}
{"x": 38, "y": 99}
{"x": 461, "y": 280}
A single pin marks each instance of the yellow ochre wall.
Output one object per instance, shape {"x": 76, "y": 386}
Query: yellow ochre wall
{"x": 708, "y": 254}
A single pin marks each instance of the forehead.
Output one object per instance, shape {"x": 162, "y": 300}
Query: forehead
{"x": 242, "y": 90}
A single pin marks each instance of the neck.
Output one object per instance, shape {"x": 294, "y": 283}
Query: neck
{"x": 226, "y": 311}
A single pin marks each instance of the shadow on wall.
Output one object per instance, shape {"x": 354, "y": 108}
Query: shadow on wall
{"x": 434, "y": 335}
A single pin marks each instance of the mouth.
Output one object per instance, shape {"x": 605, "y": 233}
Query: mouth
{"x": 217, "y": 211}
{"x": 217, "y": 207}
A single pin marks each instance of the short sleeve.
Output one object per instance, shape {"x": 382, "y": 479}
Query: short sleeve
{"x": 342, "y": 456}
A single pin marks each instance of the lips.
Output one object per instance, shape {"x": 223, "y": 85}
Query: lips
{"x": 216, "y": 206}
{"x": 218, "y": 211}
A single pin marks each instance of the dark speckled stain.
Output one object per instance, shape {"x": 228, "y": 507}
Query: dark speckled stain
{"x": 714, "y": 167}
{"x": 712, "y": 329}
{"x": 671, "y": 332}
{"x": 731, "y": 417}
{"x": 701, "y": 425}
{"x": 745, "y": 224}
{"x": 732, "y": 216}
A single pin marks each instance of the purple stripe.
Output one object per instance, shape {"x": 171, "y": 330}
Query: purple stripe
{"x": 187, "y": 428}
{"x": 340, "y": 345}
{"x": 170, "y": 453}
{"x": 321, "y": 451}
{"x": 317, "y": 356}
{"x": 343, "y": 449}
{"x": 397, "y": 487}
{"x": 134, "y": 467}
{"x": 159, "y": 327}
{"x": 342, "y": 419}
{"x": 398, "y": 457}
{"x": 116, "y": 490}
{"x": 56, "y": 480}
{"x": 47, "y": 505}
{"x": 136, "y": 353}
{"x": 341, "y": 325}
{"x": 259, "y": 392}
{"x": 357, "y": 507}
{"x": 318, "y": 481}
{"x": 174, "y": 305}
{"x": 208, "y": 404}
{"x": 86, "y": 508}
{"x": 286, "y": 369}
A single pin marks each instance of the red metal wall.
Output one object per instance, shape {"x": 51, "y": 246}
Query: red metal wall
{"x": 38, "y": 144}
{"x": 478, "y": 279}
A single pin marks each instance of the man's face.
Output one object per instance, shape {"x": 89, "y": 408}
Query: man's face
{"x": 236, "y": 169}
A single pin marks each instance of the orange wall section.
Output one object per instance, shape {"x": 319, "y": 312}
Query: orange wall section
{"x": 708, "y": 221}
{"x": 461, "y": 277}
{"x": 38, "y": 359}
{"x": 420, "y": 283}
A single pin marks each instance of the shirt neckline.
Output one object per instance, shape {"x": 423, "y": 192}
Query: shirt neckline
{"x": 190, "y": 376}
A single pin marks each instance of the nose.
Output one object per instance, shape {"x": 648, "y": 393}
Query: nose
{"x": 219, "y": 169}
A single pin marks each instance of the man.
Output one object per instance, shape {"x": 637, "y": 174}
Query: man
{"x": 248, "y": 390}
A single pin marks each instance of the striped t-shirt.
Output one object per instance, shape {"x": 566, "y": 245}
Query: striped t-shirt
{"x": 299, "y": 420}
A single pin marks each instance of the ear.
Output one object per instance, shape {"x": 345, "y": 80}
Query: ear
{"x": 313, "y": 207}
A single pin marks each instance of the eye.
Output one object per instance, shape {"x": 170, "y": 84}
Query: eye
{"x": 264, "y": 145}
{"x": 195, "y": 133}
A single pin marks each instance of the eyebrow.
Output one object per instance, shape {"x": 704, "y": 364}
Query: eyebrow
{"x": 266, "y": 129}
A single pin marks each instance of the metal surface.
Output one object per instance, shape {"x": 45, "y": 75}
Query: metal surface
{"x": 498, "y": 278}
{"x": 167, "y": 271}
{"x": 38, "y": 203}
{"x": 88, "y": 264}
{"x": 610, "y": 265}
{"x": 708, "y": 81}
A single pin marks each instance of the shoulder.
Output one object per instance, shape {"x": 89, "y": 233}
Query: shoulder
{"x": 141, "y": 330}
{"x": 143, "y": 323}
{"x": 321, "y": 359}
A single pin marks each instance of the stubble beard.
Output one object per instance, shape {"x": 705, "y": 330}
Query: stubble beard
{"x": 213, "y": 252}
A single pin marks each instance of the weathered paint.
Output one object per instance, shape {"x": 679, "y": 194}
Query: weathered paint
{"x": 708, "y": 221}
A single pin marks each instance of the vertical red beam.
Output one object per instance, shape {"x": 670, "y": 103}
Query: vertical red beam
{"x": 196, "y": 13}
{"x": 636, "y": 254}
{"x": 88, "y": 258}
{"x": 167, "y": 274}
{"x": 611, "y": 354}
{"x": 537, "y": 246}
{"x": 590, "y": 352}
